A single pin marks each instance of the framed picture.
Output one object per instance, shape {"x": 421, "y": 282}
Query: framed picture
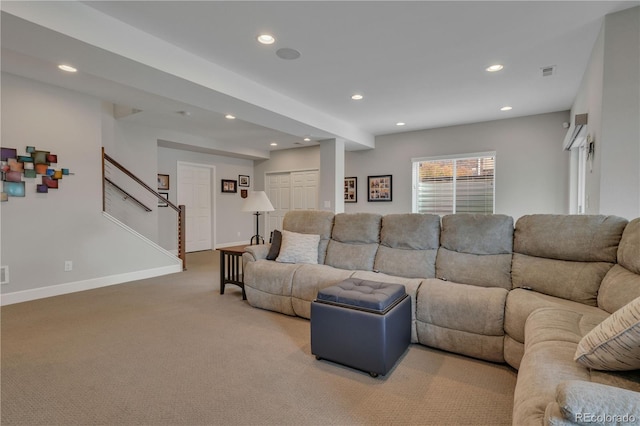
{"x": 230, "y": 186}
{"x": 163, "y": 203}
{"x": 244, "y": 180}
{"x": 379, "y": 188}
{"x": 244, "y": 193}
{"x": 163, "y": 182}
{"x": 350, "y": 189}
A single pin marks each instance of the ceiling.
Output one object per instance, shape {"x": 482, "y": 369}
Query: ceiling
{"x": 181, "y": 66}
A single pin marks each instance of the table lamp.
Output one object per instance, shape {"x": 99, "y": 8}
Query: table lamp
{"x": 257, "y": 201}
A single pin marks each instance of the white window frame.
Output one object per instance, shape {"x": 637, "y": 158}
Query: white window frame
{"x": 415, "y": 172}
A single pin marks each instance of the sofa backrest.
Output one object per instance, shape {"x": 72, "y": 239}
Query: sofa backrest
{"x": 621, "y": 285}
{"x": 476, "y": 249}
{"x": 354, "y": 241}
{"x": 408, "y": 245}
{"x": 311, "y": 222}
{"x": 566, "y": 256}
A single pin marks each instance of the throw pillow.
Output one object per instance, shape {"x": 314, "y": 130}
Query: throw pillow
{"x": 298, "y": 248}
{"x": 276, "y": 241}
{"x": 614, "y": 344}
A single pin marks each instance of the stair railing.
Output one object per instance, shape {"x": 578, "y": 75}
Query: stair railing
{"x": 180, "y": 210}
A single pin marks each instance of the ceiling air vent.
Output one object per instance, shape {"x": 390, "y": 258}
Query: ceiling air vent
{"x": 548, "y": 71}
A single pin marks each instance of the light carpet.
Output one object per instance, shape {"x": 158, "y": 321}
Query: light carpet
{"x": 173, "y": 351}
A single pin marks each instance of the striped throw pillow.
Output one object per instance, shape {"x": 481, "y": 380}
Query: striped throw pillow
{"x": 614, "y": 344}
{"x": 298, "y": 248}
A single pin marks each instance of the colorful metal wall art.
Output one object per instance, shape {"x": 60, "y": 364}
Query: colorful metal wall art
{"x": 15, "y": 168}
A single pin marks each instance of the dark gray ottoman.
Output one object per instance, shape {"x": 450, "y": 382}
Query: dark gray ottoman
{"x": 361, "y": 324}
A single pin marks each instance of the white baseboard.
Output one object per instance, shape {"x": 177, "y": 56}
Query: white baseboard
{"x": 60, "y": 289}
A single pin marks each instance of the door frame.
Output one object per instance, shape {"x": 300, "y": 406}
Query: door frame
{"x": 212, "y": 181}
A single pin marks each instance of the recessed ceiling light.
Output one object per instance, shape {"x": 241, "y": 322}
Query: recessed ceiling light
{"x": 400, "y": 123}
{"x": 266, "y": 39}
{"x": 273, "y": 144}
{"x": 357, "y": 97}
{"x": 307, "y": 139}
{"x": 230, "y": 117}
{"x": 67, "y": 68}
{"x": 506, "y": 108}
{"x": 494, "y": 68}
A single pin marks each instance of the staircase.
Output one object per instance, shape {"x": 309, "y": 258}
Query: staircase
{"x": 128, "y": 199}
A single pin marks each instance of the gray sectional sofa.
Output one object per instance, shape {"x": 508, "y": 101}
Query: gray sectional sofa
{"x": 482, "y": 286}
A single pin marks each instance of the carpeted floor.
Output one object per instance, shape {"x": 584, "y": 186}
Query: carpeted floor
{"x": 173, "y": 351}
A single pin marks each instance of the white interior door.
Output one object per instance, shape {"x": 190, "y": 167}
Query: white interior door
{"x": 194, "y": 191}
{"x": 290, "y": 191}
{"x": 278, "y": 190}
{"x": 305, "y": 190}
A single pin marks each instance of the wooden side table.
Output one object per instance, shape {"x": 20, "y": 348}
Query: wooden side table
{"x": 231, "y": 268}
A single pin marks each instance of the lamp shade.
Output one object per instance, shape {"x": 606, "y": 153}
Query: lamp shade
{"x": 257, "y": 201}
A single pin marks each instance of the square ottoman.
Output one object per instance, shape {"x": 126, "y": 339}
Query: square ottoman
{"x": 361, "y": 324}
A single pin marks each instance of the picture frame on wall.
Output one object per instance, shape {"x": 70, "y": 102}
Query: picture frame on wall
{"x": 351, "y": 189}
{"x": 163, "y": 181}
{"x": 244, "y": 180}
{"x": 229, "y": 186}
{"x": 379, "y": 188}
{"x": 162, "y": 203}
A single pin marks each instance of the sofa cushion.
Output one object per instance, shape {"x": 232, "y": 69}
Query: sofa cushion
{"x": 311, "y": 222}
{"x": 622, "y": 282}
{"x": 560, "y": 325}
{"x": 473, "y": 269}
{"x": 298, "y": 248}
{"x": 618, "y": 287}
{"x": 521, "y": 303}
{"x": 405, "y": 263}
{"x": 274, "y": 249}
{"x": 615, "y": 343}
{"x": 408, "y": 245}
{"x": 576, "y": 281}
{"x": 584, "y": 403}
{"x": 411, "y": 231}
{"x": 477, "y": 233}
{"x": 351, "y": 256}
{"x": 476, "y": 250}
{"x": 578, "y": 238}
{"x": 629, "y": 248}
{"x": 357, "y": 228}
{"x": 268, "y": 285}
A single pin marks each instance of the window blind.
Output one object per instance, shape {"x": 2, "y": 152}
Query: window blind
{"x": 454, "y": 185}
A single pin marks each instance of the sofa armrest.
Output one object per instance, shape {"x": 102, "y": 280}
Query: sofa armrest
{"x": 257, "y": 252}
{"x": 594, "y": 403}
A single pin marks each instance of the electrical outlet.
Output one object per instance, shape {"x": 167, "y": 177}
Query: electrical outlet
{"x": 238, "y": 233}
{"x": 68, "y": 265}
{"x": 4, "y": 275}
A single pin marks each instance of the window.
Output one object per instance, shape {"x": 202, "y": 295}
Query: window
{"x": 454, "y": 184}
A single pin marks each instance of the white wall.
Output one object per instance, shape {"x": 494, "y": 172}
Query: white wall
{"x": 610, "y": 94}
{"x": 531, "y": 172}
{"x": 620, "y": 141}
{"x": 41, "y": 231}
{"x": 229, "y": 226}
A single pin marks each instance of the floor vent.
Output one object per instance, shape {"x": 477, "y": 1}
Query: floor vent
{"x": 4, "y": 275}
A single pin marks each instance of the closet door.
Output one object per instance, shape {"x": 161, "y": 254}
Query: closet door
{"x": 278, "y": 190}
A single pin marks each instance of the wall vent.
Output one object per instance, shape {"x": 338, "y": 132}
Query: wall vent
{"x": 548, "y": 71}
{"x": 4, "y": 275}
